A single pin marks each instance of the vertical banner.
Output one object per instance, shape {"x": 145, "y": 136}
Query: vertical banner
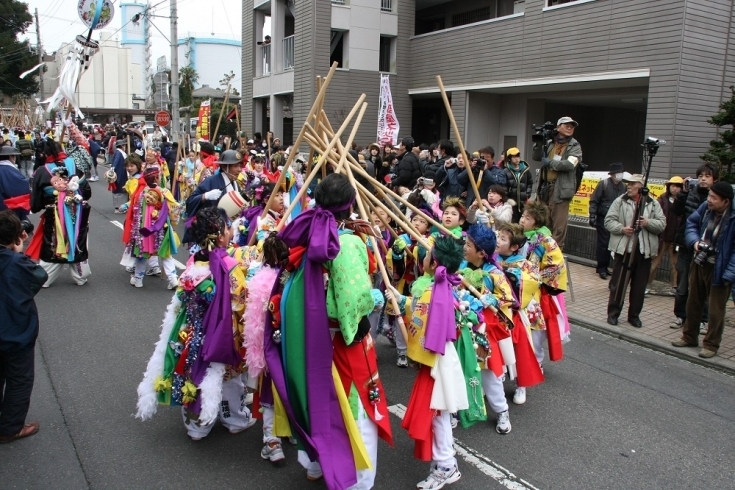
{"x": 387, "y": 121}
{"x": 202, "y": 131}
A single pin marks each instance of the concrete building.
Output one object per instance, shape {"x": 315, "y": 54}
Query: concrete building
{"x": 137, "y": 37}
{"x": 624, "y": 69}
{"x": 212, "y": 56}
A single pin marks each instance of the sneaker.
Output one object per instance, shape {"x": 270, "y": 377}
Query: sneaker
{"x": 292, "y": 440}
{"x": 173, "y": 282}
{"x": 703, "y": 328}
{"x": 677, "y": 323}
{"x": 94, "y": 178}
{"x": 153, "y": 271}
{"x": 131, "y": 270}
{"x": 684, "y": 343}
{"x": 503, "y": 425}
{"x": 251, "y": 422}
{"x": 440, "y": 477}
{"x": 454, "y": 420}
{"x": 273, "y": 452}
{"x": 519, "y": 397}
{"x": 402, "y": 361}
{"x": 314, "y": 472}
{"x": 248, "y": 400}
{"x": 136, "y": 281}
{"x": 706, "y": 353}
{"x": 646, "y": 291}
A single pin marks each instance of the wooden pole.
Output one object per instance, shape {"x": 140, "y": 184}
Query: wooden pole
{"x": 222, "y": 110}
{"x": 468, "y": 164}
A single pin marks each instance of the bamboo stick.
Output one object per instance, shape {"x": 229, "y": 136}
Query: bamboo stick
{"x": 468, "y": 165}
{"x": 221, "y": 111}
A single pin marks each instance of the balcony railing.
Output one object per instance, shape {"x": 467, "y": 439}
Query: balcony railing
{"x": 265, "y": 54}
{"x": 339, "y": 2}
{"x": 288, "y": 53}
{"x": 386, "y": 5}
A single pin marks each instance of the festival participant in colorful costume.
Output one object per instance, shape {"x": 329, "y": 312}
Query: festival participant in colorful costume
{"x": 439, "y": 389}
{"x": 14, "y": 193}
{"x": 149, "y": 226}
{"x": 186, "y": 170}
{"x": 454, "y": 216}
{"x": 525, "y": 279}
{"x": 326, "y": 375}
{"x": 261, "y": 192}
{"x": 261, "y": 280}
{"x": 542, "y": 250}
{"x": 61, "y": 191}
{"x": 207, "y": 163}
{"x": 492, "y": 337}
{"x": 198, "y": 360}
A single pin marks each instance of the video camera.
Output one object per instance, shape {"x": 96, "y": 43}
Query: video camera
{"x": 479, "y": 162}
{"x": 543, "y": 132}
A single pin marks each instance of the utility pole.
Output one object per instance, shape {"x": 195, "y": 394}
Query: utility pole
{"x": 40, "y": 54}
{"x": 174, "y": 73}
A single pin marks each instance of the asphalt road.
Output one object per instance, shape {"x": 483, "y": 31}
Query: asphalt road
{"x": 611, "y": 415}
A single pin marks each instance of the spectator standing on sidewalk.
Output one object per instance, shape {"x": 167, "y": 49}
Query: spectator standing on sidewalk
{"x": 666, "y": 240}
{"x": 693, "y": 194}
{"x": 710, "y": 232}
{"x": 619, "y": 222}
{"x": 606, "y": 191}
{"x": 559, "y": 158}
{"x": 20, "y": 280}
{"x": 519, "y": 181}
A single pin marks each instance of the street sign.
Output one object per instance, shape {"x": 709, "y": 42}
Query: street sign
{"x": 163, "y": 118}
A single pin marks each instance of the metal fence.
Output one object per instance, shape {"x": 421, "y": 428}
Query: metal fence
{"x": 386, "y": 5}
{"x": 265, "y": 53}
{"x": 288, "y": 53}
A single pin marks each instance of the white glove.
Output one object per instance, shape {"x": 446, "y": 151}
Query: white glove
{"x": 212, "y": 195}
{"x": 428, "y": 196}
{"x": 481, "y": 217}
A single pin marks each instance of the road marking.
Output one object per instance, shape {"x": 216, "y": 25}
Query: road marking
{"x": 178, "y": 264}
{"x": 479, "y": 461}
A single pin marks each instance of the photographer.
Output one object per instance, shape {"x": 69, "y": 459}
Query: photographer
{"x": 448, "y": 175}
{"x": 407, "y": 171}
{"x": 710, "y": 232}
{"x": 619, "y": 222}
{"x": 486, "y": 175}
{"x": 559, "y": 155}
{"x": 692, "y": 196}
{"x": 20, "y": 280}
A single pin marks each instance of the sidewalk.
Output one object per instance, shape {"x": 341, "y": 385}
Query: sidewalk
{"x": 589, "y": 309}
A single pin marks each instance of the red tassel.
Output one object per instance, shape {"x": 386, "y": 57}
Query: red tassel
{"x": 548, "y": 307}
{"x": 529, "y": 372}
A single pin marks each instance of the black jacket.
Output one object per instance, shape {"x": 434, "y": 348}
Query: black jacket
{"x": 447, "y": 180}
{"x": 20, "y": 280}
{"x": 407, "y": 171}
{"x": 684, "y": 205}
{"x": 519, "y": 186}
{"x": 603, "y": 196}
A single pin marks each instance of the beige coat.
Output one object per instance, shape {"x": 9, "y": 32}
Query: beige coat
{"x": 621, "y": 214}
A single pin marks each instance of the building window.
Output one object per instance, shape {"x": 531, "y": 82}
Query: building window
{"x": 387, "y": 61}
{"x": 338, "y": 49}
{"x": 552, "y": 3}
{"x": 386, "y": 5}
{"x": 136, "y": 105}
{"x": 445, "y": 15}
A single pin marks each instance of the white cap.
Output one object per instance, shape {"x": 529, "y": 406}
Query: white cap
{"x": 567, "y": 119}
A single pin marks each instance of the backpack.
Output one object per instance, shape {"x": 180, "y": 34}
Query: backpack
{"x": 26, "y": 149}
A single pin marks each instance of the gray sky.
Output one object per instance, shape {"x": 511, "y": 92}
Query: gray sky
{"x": 60, "y": 22}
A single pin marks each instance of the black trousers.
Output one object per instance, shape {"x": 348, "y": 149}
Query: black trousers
{"x": 16, "y": 385}
{"x": 683, "y": 266}
{"x": 603, "y": 239}
{"x": 637, "y": 290}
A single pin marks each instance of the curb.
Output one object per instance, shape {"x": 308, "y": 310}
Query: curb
{"x": 686, "y": 353}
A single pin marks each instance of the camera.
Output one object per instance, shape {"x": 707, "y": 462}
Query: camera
{"x": 704, "y": 253}
{"x": 27, "y": 227}
{"x": 543, "y": 132}
{"x": 479, "y": 162}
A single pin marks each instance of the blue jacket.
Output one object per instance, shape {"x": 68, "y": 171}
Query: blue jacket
{"x": 20, "y": 280}
{"x": 724, "y": 255}
{"x": 118, "y": 164}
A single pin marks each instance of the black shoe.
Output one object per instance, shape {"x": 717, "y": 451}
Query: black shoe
{"x": 609, "y": 272}
{"x": 635, "y": 322}
{"x": 612, "y": 321}
{"x": 603, "y": 275}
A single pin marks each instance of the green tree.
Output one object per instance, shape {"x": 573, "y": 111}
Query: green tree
{"x": 722, "y": 150}
{"x": 188, "y": 76}
{"x": 16, "y": 56}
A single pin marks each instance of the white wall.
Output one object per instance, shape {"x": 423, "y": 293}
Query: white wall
{"x": 213, "y": 61}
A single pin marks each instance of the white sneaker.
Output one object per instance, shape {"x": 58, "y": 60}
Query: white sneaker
{"x": 439, "y": 477}
{"x": 646, "y": 291}
{"x": 519, "y": 398}
{"x": 677, "y": 323}
{"x": 314, "y": 472}
{"x": 402, "y": 361}
{"x": 173, "y": 282}
{"x": 273, "y": 452}
{"x": 292, "y": 440}
{"x": 136, "y": 281}
{"x": 131, "y": 270}
{"x": 703, "y": 328}
{"x": 453, "y": 420}
{"x": 503, "y": 425}
{"x": 251, "y": 422}
{"x": 153, "y": 271}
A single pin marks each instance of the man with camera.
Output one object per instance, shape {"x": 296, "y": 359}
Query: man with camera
{"x": 624, "y": 228}
{"x": 407, "y": 171}
{"x": 559, "y": 154}
{"x": 486, "y": 174}
{"x": 692, "y": 196}
{"x": 710, "y": 232}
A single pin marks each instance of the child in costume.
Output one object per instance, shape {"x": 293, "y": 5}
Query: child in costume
{"x": 440, "y": 388}
{"x": 525, "y": 279}
{"x": 260, "y": 284}
{"x": 60, "y": 190}
{"x": 379, "y": 321}
{"x": 454, "y": 216}
{"x": 325, "y": 368}
{"x": 198, "y": 361}
{"x": 542, "y": 250}
{"x": 492, "y": 337}
{"x": 149, "y": 228}
{"x": 186, "y": 170}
